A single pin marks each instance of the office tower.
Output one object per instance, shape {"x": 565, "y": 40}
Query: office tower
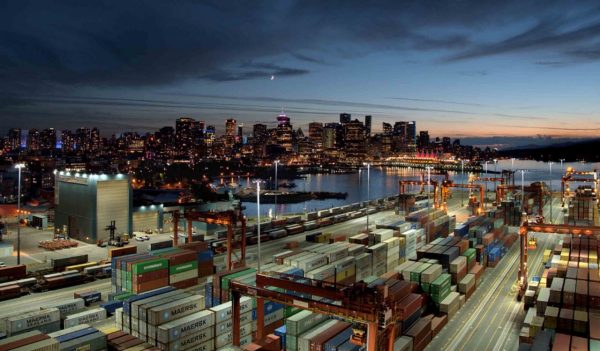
{"x": 48, "y": 139}
{"x": 330, "y": 135}
{"x": 14, "y": 138}
{"x": 354, "y": 140}
{"x": 284, "y": 132}
{"x": 368, "y": 121}
{"x": 345, "y": 118}
{"x": 33, "y": 140}
{"x": 209, "y": 136}
{"x": 95, "y": 140}
{"x": 67, "y": 140}
{"x": 315, "y": 134}
{"x": 423, "y": 139}
{"x": 184, "y": 130}
{"x": 387, "y": 128}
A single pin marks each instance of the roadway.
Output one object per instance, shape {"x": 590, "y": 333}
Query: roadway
{"x": 492, "y": 318}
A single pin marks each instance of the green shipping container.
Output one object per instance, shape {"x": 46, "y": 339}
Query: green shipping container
{"x": 425, "y": 287}
{"x": 415, "y": 274}
{"x": 442, "y": 282}
{"x": 441, "y": 295}
{"x": 290, "y": 311}
{"x": 122, "y": 296}
{"x": 149, "y": 266}
{"x": 184, "y": 267}
{"x": 470, "y": 254}
{"x": 227, "y": 278}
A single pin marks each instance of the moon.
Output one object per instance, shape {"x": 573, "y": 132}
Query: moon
{"x": 273, "y": 77}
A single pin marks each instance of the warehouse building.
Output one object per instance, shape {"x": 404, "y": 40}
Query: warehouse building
{"x": 86, "y": 205}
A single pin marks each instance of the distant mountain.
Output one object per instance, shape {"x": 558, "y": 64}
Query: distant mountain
{"x": 587, "y": 150}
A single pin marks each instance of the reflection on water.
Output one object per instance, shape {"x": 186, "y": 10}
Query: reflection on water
{"x": 384, "y": 182}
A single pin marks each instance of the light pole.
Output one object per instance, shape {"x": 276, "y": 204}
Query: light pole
{"x": 258, "y": 181}
{"x": 486, "y": 168}
{"x": 512, "y": 164}
{"x": 368, "y": 192}
{"x": 522, "y": 189}
{"x": 551, "y": 195}
{"x": 428, "y": 185}
{"x": 19, "y": 166}
{"x": 462, "y": 174}
{"x": 276, "y": 162}
{"x": 495, "y": 165}
{"x": 562, "y": 169}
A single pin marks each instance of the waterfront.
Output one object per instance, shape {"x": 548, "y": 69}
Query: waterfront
{"x": 384, "y": 182}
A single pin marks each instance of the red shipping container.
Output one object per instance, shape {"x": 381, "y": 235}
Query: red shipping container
{"x": 155, "y": 284}
{"x": 13, "y": 272}
{"x": 185, "y": 283}
{"x": 420, "y": 346}
{"x": 150, "y": 276}
{"x": 420, "y": 330}
{"x": 437, "y": 323}
{"x": 181, "y": 257}
{"x": 594, "y": 324}
{"x": 316, "y": 344}
{"x": 409, "y": 305}
{"x": 398, "y": 289}
{"x": 23, "y": 342}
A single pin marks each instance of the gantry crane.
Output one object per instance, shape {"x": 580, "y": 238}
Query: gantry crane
{"x": 571, "y": 176}
{"x": 527, "y": 227}
{"x": 357, "y": 303}
{"x": 536, "y": 188}
{"x": 404, "y": 183}
{"x": 449, "y": 184}
{"x": 225, "y": 218}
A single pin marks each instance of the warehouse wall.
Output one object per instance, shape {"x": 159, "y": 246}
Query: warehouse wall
{"x": 75, "y": 209}
{"x": 113, "y": 204}
{"x": 145, "y": 219}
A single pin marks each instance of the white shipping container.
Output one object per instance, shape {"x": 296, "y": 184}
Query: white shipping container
{"x": 189, "y": 340}
{"x": 176, "y": 309}
{"x": 227, "y": 338}
{"x": 226, "y": 326}
{"x": 67, "y": 306}
{"x": 30, "y": 320}
{"x": 208, "y": 345}
{"x": 223, "y": 311}
{"x": 321, "y": 273}
{"x": 87, "y": 317}
{"x": 304, "y": 339}
{"x": 179, "y": 277}
{"x": 303, "y": 321}
{"x": 187, "y": 325}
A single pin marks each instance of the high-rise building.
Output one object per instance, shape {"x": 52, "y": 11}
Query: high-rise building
{"x": 209, "y": 136}
{"x": 95, "y": 140}
{"x": 345, "y": 118}
{"x": 315, "y": 134}
{"x": 405, "y": 135}
{"x": 230, "y": 127}
{"x": 240, "y": 131}
{"x": 387, "y": 128}
{"x": 82, "y": 139}
{"x": 354, "y": 140}
{"x": 330, "y": 135}
{"x": 259, "y": 133}
{"x": 14, "y": 138}
{"x": 284, "y": 132}
{"x": 184, "y": 130}
{"x": 368, "y": 121}
{"x": 33, "y": 139}
{"x": 423, "y": 139}
{"x": 48, "y": 139}
{"x": 67, "y": 141}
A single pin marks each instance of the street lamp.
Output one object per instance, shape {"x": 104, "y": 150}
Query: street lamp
{"x": 495, "y": 165}
{"x": 512, "y": 164}
{"x": 428, "y": 184}
{"x": 522, "y": 188}
{"x": 258, "y": 181}
{"x": 368, "y": 192}
{"x": 19, "y": 166}
{"x": 551, "y": 195}
{"x": 276, "y": 162}
{"x": 562, "y": 169}
{"x": 462, "y": 174}
{"x": 486, "y": 168}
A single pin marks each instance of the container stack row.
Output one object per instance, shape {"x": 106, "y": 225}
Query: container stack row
{"x": 564, "y": 302}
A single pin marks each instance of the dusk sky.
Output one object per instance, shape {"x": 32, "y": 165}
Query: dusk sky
{"x": 458, "y": 68}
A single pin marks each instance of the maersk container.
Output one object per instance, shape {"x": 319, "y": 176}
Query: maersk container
{"x": 89, "y": 316}
{"x": 226, "y": 326}
{"x": 184, "y": 326}
{"x": 227, "y": 338}
{"x": 302, "y": 321}
{"x": 66, "y": 306}
{"x": 223, "y": 311}
{"x": 189, "y": 341}
{"x": 176, "y": 309}
{"x": 33, "y": 320}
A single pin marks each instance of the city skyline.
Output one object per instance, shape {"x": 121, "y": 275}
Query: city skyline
{"x": 464, "y": 69}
